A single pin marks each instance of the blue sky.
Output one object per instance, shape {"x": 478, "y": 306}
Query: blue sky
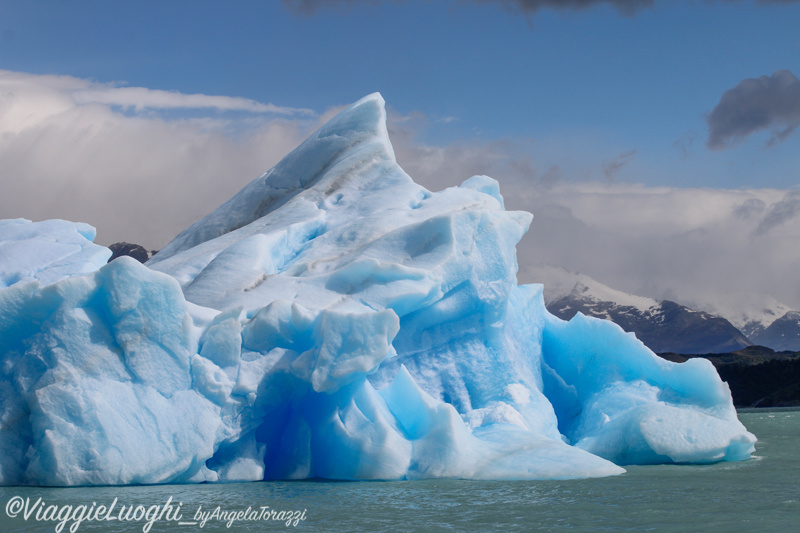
{"x": 641, "y": 81}
{"x": 174, "y": 106}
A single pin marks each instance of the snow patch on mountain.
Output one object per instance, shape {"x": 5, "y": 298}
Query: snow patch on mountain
{"x": 750, "y": 312}
{"x": 559, "y": 282}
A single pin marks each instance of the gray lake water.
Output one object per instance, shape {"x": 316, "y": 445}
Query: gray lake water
{"x": 762, "y": 494}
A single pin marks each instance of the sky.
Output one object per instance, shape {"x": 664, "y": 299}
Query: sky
{"x": 655, "y": 141}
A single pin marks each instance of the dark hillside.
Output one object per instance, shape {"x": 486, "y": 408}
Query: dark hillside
{"x": 757, "y": 376}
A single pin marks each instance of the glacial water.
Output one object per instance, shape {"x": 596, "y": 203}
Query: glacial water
{"x": 762, "y": 494}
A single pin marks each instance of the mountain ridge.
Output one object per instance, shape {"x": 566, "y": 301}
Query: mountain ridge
{"x": 666, "y": 325}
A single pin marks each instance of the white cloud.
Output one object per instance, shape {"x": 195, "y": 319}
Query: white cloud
{"x": 140, "y": 98}
{"x": 66, "y": 151}
{"x": 64, "y": 91}
{"x": 689, "y": 245}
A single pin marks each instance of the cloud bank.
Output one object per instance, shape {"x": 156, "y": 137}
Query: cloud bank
{"x": 756, "y": 104}
{"x": 689, "y": 245}
{"x": 79, "y": 150}
{"x": 143, "y": 176}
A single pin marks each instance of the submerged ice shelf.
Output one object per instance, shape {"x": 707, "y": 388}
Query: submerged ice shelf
{"x": 333, "y": 319}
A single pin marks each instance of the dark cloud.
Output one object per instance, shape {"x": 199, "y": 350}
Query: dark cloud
{"x": 780, "y": 212}
{"x": 750, "y": 207}
{"x": 308, "y": 7}
{"x": 627, "y": 7}
{"x": 686, "y": 143}
{"x": 551, "y": 176}
{"x": 755, "y": 104}
{"x": 612, "y": 168}
{"x": 530, "y": 6}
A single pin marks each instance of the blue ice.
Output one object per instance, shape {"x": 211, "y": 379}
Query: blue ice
{"x": 335, "y": 320}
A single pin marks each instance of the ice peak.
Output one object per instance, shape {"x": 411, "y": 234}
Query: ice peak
{"x": 335, "y": 153}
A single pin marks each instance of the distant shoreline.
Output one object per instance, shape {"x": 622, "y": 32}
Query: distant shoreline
{"x": 766, "y": 409}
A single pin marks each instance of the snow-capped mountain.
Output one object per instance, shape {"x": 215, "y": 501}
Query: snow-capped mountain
{"x": 664, "y": 326}
{"x": 763, "y": 319}
{"x": 752, "y": 313}
{"x": 781, "y": 334}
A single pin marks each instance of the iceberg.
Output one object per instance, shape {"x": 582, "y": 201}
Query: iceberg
{"x": 335, "y": 320}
